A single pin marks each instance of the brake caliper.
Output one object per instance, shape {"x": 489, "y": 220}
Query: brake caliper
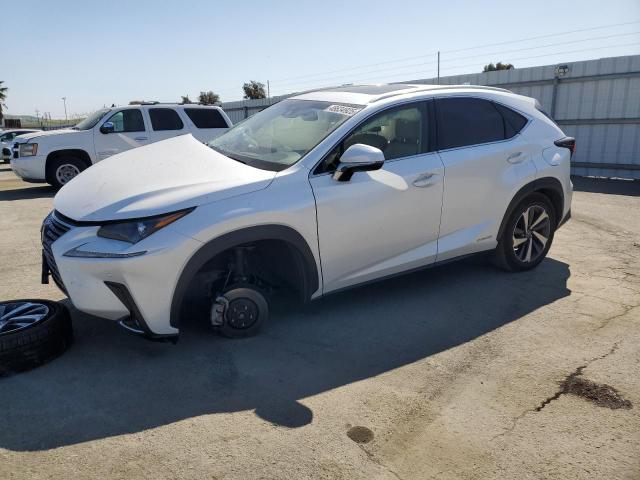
{"x": 218, "y": 309}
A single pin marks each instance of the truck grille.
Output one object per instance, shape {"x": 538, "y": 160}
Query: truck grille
{"x": 52, "y": 229}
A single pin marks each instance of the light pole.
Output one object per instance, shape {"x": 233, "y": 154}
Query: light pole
{"x": 64, "y": 100}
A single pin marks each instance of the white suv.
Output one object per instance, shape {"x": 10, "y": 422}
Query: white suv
{"x": 317, "y": 193}
{"x": 57, "y": 156}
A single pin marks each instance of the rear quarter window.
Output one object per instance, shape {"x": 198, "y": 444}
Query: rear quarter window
{"x": 513, "y": 121}
{"x": 206, "y": 117}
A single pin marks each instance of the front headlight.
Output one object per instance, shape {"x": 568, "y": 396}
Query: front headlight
{"x": 133, "y": 231}
{"x": 28, "y": 149}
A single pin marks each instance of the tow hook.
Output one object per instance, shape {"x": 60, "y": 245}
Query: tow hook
{"x": 218, "y": 310}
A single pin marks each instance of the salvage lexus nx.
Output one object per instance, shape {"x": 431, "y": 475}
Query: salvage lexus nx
{"x": 320, "y": 192}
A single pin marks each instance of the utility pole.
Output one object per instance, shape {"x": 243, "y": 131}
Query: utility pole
{"x": 438, "y": 67}
{"x": 268, "y": 90}
{"x": 37, "y": 117}
{"x": 64, "y": 100}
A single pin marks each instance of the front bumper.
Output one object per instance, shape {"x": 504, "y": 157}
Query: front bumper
{"x": 31, "y": 169}
{"x": 136, "y": 290}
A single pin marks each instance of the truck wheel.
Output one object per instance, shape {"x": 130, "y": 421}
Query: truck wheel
{"x": 32, "y": 332}
{"x": 240, "y": 311}
{"x": 64, "y": 169}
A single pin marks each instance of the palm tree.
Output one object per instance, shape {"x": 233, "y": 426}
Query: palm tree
{"x": 3, "y": 97}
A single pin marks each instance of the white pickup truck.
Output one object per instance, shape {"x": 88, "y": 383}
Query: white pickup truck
{"x": 57, "y": 156}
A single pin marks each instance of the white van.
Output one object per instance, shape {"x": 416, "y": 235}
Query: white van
{"x": 57, "y": 156}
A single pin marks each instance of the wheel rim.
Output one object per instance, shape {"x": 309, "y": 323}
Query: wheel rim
{"x": 242, "y": 313}
{"x": 66, "y": 172}
{"x": 17, "y": 316}
{"x": 531, "y": 234}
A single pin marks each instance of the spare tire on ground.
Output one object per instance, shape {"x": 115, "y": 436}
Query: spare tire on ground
{"x": 32, "y": 332}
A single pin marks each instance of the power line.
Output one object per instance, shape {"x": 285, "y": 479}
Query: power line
{"x": 351, "y": 75}
{"x": 460, "y": 50}
{"x": 548, "y": 54}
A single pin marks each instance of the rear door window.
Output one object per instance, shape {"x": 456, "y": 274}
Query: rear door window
{"x": 206, "y": 117}
{"x": 467, "y": 121}
{"x": 165, "y": 119}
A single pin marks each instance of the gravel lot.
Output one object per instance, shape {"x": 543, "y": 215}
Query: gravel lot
{"x": 461, "y": 371}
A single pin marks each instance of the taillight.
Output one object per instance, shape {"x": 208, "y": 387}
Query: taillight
{"x": 567, "y": 142}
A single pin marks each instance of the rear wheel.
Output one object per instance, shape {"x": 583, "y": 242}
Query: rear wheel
{"x": 527, "y": 235}
{"x": 64, "y": 169}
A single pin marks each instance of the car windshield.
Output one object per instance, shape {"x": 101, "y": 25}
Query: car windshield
{"x": 282, "y": 134}
{"x": 91, "y": 120}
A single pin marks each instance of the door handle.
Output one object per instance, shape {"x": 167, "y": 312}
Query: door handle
{"x": 516, "y": 157}
{"x": 423, "y": 180}
{"x": 141, "y": 139}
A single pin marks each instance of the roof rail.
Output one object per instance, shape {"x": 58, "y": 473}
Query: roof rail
{"x": 424, "y": 87}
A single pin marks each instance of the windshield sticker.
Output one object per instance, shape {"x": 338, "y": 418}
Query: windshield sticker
{"x": 343, "y": 109}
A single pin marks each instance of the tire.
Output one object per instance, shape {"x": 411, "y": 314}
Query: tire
{"x": 61, "y": 170}
{"x": 521, "y": 247}
{"x": 245, "y": 312}
{"x": 37, "y": 343}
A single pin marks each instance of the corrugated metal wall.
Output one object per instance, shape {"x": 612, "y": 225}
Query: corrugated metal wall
{"x": 595, "y": 101}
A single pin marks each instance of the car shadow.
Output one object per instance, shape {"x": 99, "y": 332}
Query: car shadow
{"x": 112, "y": 383}
{"x": 606, "y": 185}
{"x": 27, "y": 193}
{"x": 5, "y": 169}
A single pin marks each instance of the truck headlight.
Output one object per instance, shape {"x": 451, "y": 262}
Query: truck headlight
{"x": 28, "y": 149}
{"x": 133, "y": 231}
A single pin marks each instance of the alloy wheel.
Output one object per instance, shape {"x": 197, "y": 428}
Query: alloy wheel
{"x": 20, "y": 315}
{"x": 531, "y": 234}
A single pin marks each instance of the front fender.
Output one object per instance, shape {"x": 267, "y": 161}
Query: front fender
{"x": 242, "y": 236}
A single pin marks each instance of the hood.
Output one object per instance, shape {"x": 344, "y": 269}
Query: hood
{"x": 162, "y": 177}
{"x": 48, "y": 133}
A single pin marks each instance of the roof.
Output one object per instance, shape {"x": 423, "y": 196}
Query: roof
{"x": 363, "y": 94}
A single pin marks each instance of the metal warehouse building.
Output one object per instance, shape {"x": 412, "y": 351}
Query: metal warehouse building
{"x": 595, "y": 101}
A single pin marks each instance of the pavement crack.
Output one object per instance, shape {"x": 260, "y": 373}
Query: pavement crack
{"x": 375, "y": 460}
{"x": 600, "y": 394}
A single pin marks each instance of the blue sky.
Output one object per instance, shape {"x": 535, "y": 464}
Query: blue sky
{"x": 97, "y": 53}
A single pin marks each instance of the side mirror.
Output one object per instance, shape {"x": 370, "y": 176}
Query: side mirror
{"x": 107, "y": 127}
{"x": 358, "y": 158}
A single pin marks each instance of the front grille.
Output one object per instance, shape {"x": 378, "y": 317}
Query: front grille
{"x": 52, "y": 229}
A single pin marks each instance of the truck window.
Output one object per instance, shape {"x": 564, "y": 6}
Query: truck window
{"x": 206, "y": 117}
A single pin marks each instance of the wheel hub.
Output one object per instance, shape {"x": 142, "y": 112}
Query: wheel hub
{"x": 241, "y": 313}
{"x": 66, "y": 172}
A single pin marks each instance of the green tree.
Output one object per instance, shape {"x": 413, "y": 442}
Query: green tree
{"x": 3, "y": 97}
{"x": 185, "y": 100}
{"x": 208, "y": 98}
{"x": 254, "y": 90}
{"x": 498, "y": 66}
